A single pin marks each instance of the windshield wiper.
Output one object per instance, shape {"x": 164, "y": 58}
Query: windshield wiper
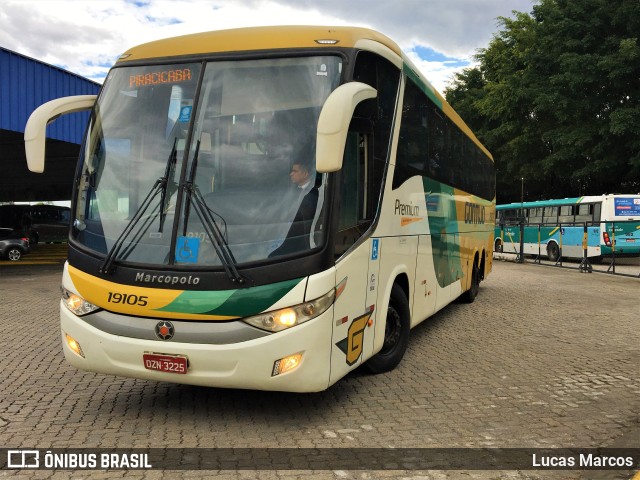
{"x": 160, "y": 186}
{"x": 168, "y": 174}
{"x": 205, "y": 214}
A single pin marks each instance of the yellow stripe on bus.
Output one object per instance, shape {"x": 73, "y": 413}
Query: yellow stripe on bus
{"x": 140, "y": 301}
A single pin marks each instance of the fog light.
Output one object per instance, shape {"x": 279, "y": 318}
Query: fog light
{"x": 286, "y": 364}
{"x": 73, "y": 345}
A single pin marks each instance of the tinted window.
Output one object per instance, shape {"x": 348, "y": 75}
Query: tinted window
{"x": 432, "y": 145}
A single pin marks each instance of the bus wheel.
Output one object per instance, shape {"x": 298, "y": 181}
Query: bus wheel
{"x": 470, "y": 295}
{"x": 396, "y": 334}
{"x": 553, "y": 251}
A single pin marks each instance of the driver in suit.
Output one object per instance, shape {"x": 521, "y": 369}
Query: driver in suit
{"x": 297, "y": 238}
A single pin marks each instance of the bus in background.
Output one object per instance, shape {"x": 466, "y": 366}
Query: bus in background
{"x": 40, "y": 223}
{"x": 611, "y": 223}
{"x": 266, "y": 208}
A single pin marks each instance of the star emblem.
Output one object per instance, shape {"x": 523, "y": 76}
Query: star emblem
{"x": 164, "y": 330}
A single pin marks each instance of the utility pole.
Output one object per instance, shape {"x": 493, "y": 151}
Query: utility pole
{"x": 520, "y": 256}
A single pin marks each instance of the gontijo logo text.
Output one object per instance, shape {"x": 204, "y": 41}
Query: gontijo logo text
{"x": 474, "y": 213}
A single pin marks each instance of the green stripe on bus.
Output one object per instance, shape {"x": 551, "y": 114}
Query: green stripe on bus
{"x": 233, "y": 303}
{"x": 441, "y": 210}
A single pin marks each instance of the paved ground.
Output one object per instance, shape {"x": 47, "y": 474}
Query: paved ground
{"x": 545, "y": 357}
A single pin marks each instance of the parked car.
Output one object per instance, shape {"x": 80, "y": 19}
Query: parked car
{"x": 40, "y": 223}
{"x": 13, "y": 244}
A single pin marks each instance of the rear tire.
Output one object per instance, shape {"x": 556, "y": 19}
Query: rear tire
{"x": 396, "y": 334}
{"x": 470, "y": 295}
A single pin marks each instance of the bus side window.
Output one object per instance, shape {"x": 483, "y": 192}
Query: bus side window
{"x": 597, "y": 207}
{"x": 412, "y": 157}
{"x": 352, "y": 211}
{"x": 378, "y": 114}
{"x": 550, "y": 215}
{"x": 432, "y": 145}
{"x": 535, "y": 215}
{"x": 585, "y": 213}
{"x": 566, "y": 214}
{"x": 512, "y": 215}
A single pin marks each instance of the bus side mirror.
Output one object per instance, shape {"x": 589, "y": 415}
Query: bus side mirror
{"x": 333, "y": 123}
{"x": 35, "y": 132}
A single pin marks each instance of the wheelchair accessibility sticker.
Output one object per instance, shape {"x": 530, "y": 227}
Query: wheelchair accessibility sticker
{"x": 187, "y": 249}
{"x": 375, "y": 248}
{"x": 185, "y": 114}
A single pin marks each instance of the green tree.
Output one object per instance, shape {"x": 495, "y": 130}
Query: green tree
{"x": 556, "y": 98}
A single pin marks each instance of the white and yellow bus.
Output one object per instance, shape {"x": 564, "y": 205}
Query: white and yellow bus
{"x": 266, "y": 208}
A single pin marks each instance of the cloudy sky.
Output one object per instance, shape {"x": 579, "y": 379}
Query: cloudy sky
{"x": 86, "y": 36}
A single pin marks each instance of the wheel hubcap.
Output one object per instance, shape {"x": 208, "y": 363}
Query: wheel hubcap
{"x": 392, "y": 329}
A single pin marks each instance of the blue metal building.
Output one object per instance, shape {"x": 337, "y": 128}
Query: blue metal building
{"x": 25, "y": 84}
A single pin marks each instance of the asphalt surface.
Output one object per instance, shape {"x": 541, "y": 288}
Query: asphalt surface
{"x": 545, "y": 357}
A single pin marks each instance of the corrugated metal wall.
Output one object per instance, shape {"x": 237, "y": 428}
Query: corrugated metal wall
{"x": 26, "y": 84}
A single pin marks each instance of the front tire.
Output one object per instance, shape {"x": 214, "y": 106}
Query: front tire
{"x": 14, "y": 254}
{"x": 396, "y": 334}
{"x": 553, "y": 251}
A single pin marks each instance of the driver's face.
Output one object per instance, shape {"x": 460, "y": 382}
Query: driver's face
{"x": 298, "y": 174}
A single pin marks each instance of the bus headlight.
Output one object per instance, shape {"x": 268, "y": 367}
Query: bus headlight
{"x": 282, "y": 319}
{"x": 78, "y": 305}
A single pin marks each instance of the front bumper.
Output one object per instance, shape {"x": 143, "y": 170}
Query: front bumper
{"x": 246, "y": 364}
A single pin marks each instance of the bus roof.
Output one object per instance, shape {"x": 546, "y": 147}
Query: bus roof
{"x": 563, "y": 201}
{"x": 255, "y": 39}
{"x": 540, "y": 203}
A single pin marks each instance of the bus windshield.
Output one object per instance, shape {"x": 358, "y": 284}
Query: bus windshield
{"x": 183, "y": 162}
